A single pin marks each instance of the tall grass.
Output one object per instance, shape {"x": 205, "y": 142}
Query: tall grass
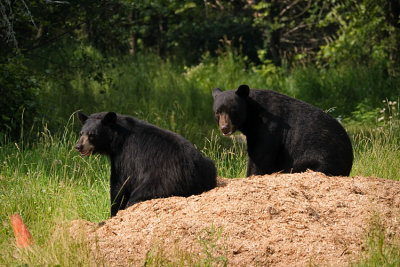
{"x": 343, "y": 89}
{"x": 48, "y": 184}
{"x": 178, "y": 97}
{"x": 229, "y": 155}
{"x": 377, "y": 152}
{"x": 144, "y": 86}
{"x": 377, "y": 148}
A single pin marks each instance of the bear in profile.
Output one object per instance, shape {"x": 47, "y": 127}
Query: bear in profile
{"x": 146, "y": 161}
{"x": 283, "y": 134}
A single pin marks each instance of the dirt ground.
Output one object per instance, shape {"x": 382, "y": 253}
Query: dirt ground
{"x": 273, "y": 220}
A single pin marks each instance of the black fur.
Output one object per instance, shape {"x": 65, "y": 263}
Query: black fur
{"x": 146, "y": 161}
{"x": 283, "y": 133}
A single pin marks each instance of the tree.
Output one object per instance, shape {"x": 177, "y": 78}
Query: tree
{"x": 369, "y": 33}
{"x": 291, "y": 27}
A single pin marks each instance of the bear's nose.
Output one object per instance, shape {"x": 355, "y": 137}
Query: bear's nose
{"x": 78, "y": 147}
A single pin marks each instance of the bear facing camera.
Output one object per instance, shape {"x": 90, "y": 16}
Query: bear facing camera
{"x": 283, "y": 134}
{"x": 146, "y": 161}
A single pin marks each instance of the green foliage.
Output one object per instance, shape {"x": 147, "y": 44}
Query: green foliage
{"x": 368, "y": 34}
{"x": 291, "y": 29}
{"x": 230, "y": 69}
{"x": 345, "y": 89}
{"x": 18, "y": 103}
{"x": 226, "y": 71}
{"x": 137, "y": 86}
{"x": 288, "y": 31}
{"x": 185, "y": 29}
{"x": 133, "y": 85}
{"x": 78, "y": 53}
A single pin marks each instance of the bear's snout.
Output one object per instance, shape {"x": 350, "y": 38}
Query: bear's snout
{"x": 84, "y": 147}
{"x": 78, "y": 147}
{"x": 225, "y": 124}
{"x": 225, "y": 128}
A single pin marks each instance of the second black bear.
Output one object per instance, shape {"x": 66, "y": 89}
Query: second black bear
{"x": 146, "y": 161}
{"x": 283, "y": 133}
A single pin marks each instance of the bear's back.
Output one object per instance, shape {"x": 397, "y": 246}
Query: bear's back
{"x": 291, "y": 111}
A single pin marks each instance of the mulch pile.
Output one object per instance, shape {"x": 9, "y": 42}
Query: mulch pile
{"x": 279, "y": 220}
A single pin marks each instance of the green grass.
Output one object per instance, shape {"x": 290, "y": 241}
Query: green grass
{"x": 377, "y": 152}
{"x": 229, "y": 155}
{"x": 381, "y": 248}
{"x": 48, "y": 184}
{"x": 376, "y": 142}
{"x": 144, "y": 86}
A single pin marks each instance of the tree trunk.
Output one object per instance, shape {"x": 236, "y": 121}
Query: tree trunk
{"x": 132, "y": 35}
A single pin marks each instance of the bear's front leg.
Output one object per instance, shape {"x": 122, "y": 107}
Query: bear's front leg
{"x": 263, "y": 166}
{"x": 145, "y": 191}
{"x": 262, "y": 150}
{"x": 252, "y": 168}
{"x": 118, "y": 199}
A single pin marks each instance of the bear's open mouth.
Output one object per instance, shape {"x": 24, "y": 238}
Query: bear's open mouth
{"x": 227, "y": 132}
{"x": 86, "y": 152}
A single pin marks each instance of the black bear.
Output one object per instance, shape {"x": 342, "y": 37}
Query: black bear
{"x": 146, "y": 161}
{"x": 283, "y": 134}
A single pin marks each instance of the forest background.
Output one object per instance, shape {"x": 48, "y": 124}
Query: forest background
{"x": 60, "y": 56}
{"x": 159, "y": 60}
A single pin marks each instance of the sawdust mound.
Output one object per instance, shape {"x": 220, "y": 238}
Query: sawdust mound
{"x": 278, "y": 220}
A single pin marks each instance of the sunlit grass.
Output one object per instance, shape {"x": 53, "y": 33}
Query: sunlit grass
{"x": 229, "y": 154}
{"x": 48, "y": 184}
{"x": 377, "y": 153}
{"x": 377, "y": 148}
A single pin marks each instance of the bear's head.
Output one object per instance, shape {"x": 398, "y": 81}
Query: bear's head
{"x": 96, "y": 133}
{"x": 230, "y": 108}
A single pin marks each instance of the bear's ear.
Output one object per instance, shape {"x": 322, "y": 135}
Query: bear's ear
{"x": 243, "y": 91}
{"x": 216, "y": 91}
{"x": 82, "y": 117}
{"x": 109, "y": 119}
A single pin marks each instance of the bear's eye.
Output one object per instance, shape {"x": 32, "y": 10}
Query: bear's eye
{"x": 91, "y": 135}
{"x": 80, "y": 134}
